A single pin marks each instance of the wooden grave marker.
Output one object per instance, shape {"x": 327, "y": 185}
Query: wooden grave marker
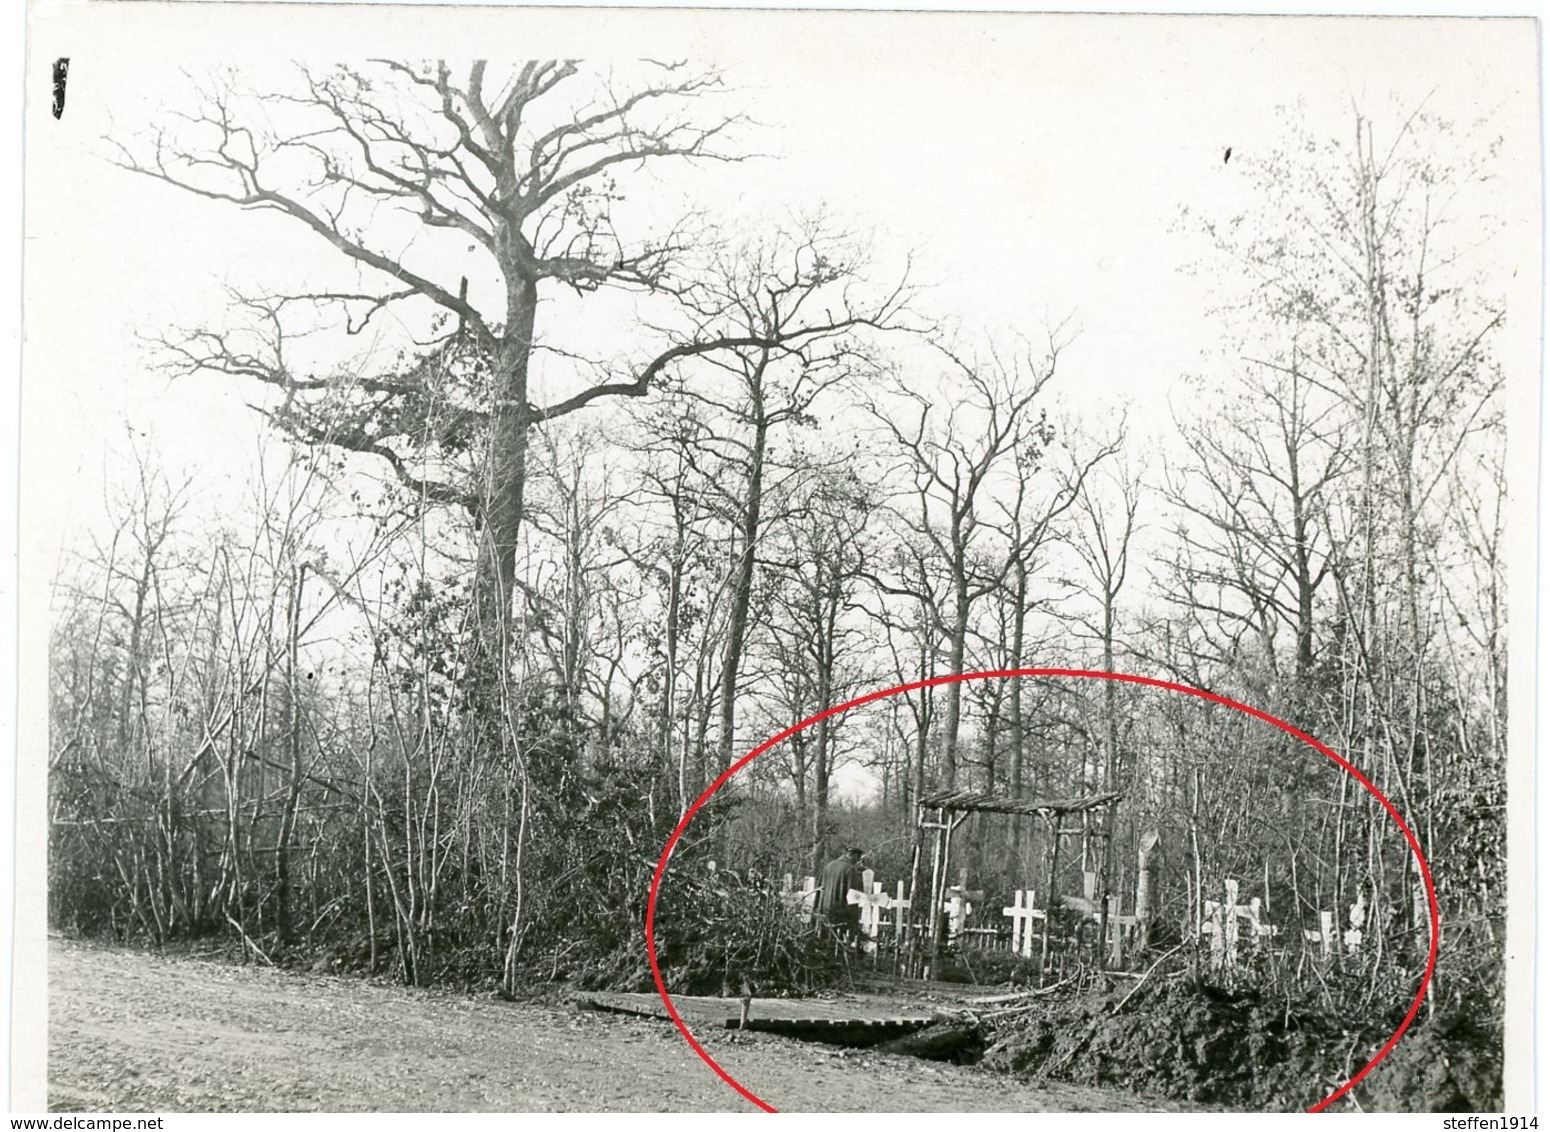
{"x": 901, "y": 908}
{"x": 1325, "y": 937}
{"x": 1223, "y": 923}
{"x": 1023, "y": 913}
{"x": 874, "y": 902}
{"x": 805, "y": 900}
{"x": 958, "y": 905}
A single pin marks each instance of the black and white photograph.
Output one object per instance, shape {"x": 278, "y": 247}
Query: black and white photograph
{"x": 645, "y": 560}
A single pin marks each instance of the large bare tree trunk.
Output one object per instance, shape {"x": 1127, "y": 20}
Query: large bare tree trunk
{"x": 504, "y": 486}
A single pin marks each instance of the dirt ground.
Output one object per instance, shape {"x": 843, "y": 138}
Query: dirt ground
{"x": 146, "y": 1032}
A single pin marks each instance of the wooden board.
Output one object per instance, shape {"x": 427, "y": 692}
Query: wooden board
{"x": 846, "y": 1020}
{"x": 836, "y": 1031}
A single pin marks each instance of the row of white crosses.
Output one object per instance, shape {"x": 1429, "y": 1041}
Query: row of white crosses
{"x": 1224, "y": 922}
{"x": 874, "y": 902}
{"x": 1025, "y": 910}
{"x": 1352, "y": 937}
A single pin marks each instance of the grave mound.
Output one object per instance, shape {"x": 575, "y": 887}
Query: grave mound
{"x": 1244, "y": 1050}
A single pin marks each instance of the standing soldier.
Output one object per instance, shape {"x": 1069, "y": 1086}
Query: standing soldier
{"x": 840, "y": 877}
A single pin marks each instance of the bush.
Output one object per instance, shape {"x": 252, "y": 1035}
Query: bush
{"x": 714, "y": 932}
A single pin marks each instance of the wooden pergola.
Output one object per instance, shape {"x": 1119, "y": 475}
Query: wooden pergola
{"x": 945, "y": 811}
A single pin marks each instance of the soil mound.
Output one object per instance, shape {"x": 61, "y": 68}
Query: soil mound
{"x": 1243, "y": 1050}
{"x": 1444, "y": 1067}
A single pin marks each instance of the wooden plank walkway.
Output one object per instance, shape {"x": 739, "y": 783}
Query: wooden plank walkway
{"x": 846, "y": 1020}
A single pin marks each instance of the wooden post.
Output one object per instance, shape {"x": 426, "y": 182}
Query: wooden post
{"x": 1215, "y": 925}
{"x": 1049, "y": 899}
{"x": 939, "y": 866}
{"x": 916, "y": 860}
{"x": 951, "y": 824}
{"x": 1107, "y": 906}
{"x": 936, "y": 866}
{"x": 1230, "y": 924}
{"x": 1191, "y": 907}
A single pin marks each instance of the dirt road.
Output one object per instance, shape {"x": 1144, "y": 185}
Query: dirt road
{"x": 134, "y": 1031}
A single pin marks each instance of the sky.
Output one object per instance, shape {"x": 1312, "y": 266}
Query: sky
{"x": 1034, "y": 166}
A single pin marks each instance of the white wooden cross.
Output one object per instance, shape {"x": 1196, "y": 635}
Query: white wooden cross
{"x": 1353, "y": 935}
{"x": 1118, "y": 926}
{"x": 859, "y": 896}
{"x": 805, "y": 900}
{"x": 958, "y": 907}
{"x": 901, "y": 908}
{"x": 873, "y": 901}
{"x": 1023, "y": 914}
{"x": 1222, "y": 925}
{"x": 1325, "y": 937}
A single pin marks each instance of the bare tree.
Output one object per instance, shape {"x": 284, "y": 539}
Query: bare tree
{"x": 1254, "y": 546}
{"x": 779, "y": 297}
{"x": 953, "y": 459}
{"x": 395, "y": 166}
{"x": 1371, "y": 317}
{"x": 1106, "y": 523}
{"x": 679, "y": 524}
{"x": 822, "y": 555}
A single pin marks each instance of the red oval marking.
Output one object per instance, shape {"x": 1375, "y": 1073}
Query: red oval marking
{"x": 1077, "y": 673}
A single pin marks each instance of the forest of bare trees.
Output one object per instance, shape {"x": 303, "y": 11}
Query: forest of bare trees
{"x": 551, "y": 536}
